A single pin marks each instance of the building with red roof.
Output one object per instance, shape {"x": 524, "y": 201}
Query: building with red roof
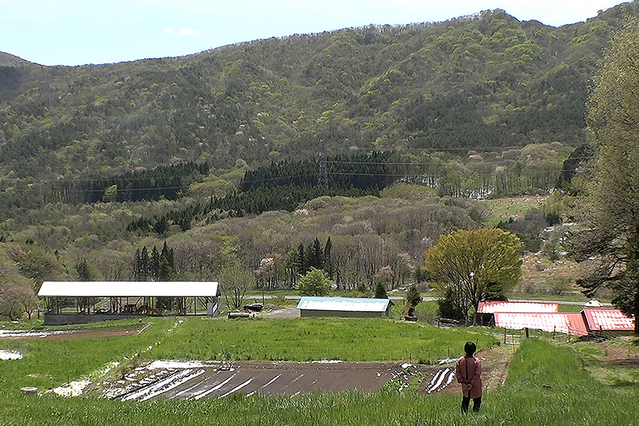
{"x": 486, "y": 309}
{"x": 592, "y": 320}
{"x": 599, "y": 321}
{"x": 561, "y": 322}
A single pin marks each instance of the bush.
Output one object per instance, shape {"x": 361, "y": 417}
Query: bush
{"x": 314, "y": 283}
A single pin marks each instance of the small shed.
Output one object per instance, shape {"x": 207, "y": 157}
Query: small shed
{"x": 343, "y": 307}
{"x": 593, "y": 303}
{"x": 607, "y": 321}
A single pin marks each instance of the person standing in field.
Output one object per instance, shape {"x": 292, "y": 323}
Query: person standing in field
{"x": 468, "y": 374}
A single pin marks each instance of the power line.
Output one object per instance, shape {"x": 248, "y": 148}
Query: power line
{"x": 274, "y": 179}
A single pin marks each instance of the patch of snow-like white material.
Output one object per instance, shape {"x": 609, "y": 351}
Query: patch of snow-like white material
{"x": 451, "y": 376}
{"x": 271, "y": 381}
{"x": 7, "y": 355}
{"x": 237, "y": 388}
{"x": 441, "y": 379}
{"x": 29, "y": 333}
{"x": 447, "y": 361}
{"x": 162, "y": 386}
{"x": 72, "y": 389}
{"x": 175, "y": 364}
{"x": 438, "y": 379}
{"x": 406, "y": 365}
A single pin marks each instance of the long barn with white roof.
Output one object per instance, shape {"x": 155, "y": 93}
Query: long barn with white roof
{"x": 90, "y": 301}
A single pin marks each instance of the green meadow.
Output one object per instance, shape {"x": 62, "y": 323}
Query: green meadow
{"x": 548, "y": 383}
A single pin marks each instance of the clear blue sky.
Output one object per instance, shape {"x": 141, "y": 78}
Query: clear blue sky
{"x": 76, "y": 32}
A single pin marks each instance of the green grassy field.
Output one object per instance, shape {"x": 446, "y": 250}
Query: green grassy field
{"x": 307, "y": 339}
{"x": 505, "y": 208}
{"x": 547, "y": 383}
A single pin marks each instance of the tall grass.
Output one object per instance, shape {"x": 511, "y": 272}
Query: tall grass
{"x": 546, "y": 384}
{"x": 550, "y": 385}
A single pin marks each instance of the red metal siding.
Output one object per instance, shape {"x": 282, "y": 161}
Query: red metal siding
{"x": 492, "y": 306}
{"x": 607, "y": 320}
{"x": 569, "y": 323}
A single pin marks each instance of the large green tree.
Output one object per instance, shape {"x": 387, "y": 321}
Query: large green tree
{"x": 472, "y": 265}
{"x": 608, "y": 242}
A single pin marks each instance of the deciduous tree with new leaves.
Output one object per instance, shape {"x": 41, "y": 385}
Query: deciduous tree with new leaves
{"x": 608, "y": 240}
{"x": 470, "y": 265}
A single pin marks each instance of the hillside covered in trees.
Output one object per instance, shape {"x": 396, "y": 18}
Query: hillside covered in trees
{"x": 480, "y": 82}
{"x": 216, "y": 154}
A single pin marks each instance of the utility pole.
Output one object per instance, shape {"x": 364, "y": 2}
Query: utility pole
{"x": 323, "y": 174}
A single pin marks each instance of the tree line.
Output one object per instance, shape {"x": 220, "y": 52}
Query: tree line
{"x": 535, "y": 169}
{"x": 164, "y": 181}
{"x": 363, "y": 171}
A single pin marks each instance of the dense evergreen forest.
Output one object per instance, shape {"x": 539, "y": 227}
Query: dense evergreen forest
{"x": 367, "y": 142}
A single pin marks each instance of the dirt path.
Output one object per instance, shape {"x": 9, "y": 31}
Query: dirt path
{"x": 494, "y": 361}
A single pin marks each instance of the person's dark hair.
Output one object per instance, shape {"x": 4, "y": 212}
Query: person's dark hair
{"x": 470, "y": 348}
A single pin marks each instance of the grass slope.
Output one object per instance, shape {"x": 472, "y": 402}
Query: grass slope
{"x": 547, "y": 384}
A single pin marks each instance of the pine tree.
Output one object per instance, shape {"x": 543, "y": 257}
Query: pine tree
{"x": 301, "y": 260}
{"x": 380, "y": 291}
{"x": 143, "y": 266}
{"x": 165, "y": 251}
{"x": 84, "y": 273}
{"x": 154, "y": 263}
{"x": 328, "y": 258}
{"x": 316, "y": 255}
{"x": 413, "y": 297}
{"x": 136, "y": 265}
{"x": 165, "y": 272}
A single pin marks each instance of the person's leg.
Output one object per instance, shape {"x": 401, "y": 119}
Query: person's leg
{"x": 465, "y": 402}
{"x": 476, "y": 404}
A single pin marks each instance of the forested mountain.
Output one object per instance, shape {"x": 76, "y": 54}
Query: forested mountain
{"x": 216, "y": 154}
{"x": 479, "y": 82}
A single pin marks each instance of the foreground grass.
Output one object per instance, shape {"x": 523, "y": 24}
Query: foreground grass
{"x": 547, "y": 384}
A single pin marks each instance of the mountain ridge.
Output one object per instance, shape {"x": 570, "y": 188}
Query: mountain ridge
{"x": 481, "y": 82}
